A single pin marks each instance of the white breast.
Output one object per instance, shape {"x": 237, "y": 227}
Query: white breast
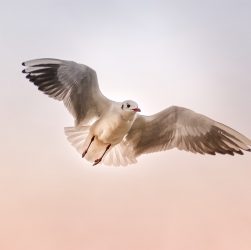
{"x": 111, "y": 128}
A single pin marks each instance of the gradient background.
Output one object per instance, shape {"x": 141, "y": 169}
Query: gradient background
{"x": 195, "y": 54}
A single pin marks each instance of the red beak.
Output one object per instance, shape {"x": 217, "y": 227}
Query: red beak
{"x": 136, "y": 110}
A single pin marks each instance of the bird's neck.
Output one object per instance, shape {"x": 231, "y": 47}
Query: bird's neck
{"x": 128, "y": 116}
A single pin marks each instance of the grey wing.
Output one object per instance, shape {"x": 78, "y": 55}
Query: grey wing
{"x": 74, "y": 84}
{"x": 186, "y": 130}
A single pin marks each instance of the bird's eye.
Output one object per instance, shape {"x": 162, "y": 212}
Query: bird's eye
{"x": 128, "y": 105}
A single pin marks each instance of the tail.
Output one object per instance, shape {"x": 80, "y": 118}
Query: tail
{"x": 118, "y": 156}
{"x": 77, "y": 136}
{"x": 80, "y": 138}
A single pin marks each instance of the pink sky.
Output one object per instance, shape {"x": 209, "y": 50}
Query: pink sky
{"x": 159, "y": 54}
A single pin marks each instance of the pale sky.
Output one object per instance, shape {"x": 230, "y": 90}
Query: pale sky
{"x": 195, "y": 54}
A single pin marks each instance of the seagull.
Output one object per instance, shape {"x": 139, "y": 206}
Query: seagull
{"x": 114, "y": 133}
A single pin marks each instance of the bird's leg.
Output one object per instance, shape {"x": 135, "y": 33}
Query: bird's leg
{"x": 97, "y": 161}
{"x": 85, "y": 152}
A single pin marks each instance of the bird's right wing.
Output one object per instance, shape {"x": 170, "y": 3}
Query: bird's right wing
{"x": 182, "y": 128}
{"x": 75, "y": 84}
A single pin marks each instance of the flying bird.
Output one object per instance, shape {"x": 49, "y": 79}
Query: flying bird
{"x": 114, "y": 133}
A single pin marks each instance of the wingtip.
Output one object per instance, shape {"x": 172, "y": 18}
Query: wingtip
{"x": 23, "y": 63}
{"x": 23, "y": 71}
{"x": 240, "y": 152}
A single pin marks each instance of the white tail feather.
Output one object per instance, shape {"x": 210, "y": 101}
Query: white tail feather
{"x": 80, "y": 138}
{"x": 77, "y": 136}
{"x": 117, "y": 156}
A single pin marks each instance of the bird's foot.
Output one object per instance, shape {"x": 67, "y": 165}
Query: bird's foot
{"x": 97, "y": 161}
{"x": 84, "y": 153}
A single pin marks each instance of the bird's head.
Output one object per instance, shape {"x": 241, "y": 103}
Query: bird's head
{"x": 129, "y": 108}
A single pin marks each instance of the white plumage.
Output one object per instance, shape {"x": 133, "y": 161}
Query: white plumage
{"x": 114, "y": 132}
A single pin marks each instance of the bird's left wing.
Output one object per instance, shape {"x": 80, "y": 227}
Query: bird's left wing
{"x": 186, "y": 130}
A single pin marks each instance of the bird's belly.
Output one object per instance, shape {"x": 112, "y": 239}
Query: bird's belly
{"x": 112, "y": 131}
{"x": 96, "y": 150}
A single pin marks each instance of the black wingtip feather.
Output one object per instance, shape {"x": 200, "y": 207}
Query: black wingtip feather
{"x": 23, "y": 63}
{"x": 240, "y": 152}
{"x": 23, "y": 71}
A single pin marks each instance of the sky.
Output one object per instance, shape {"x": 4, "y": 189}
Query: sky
{"x": 195, "y": 54}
